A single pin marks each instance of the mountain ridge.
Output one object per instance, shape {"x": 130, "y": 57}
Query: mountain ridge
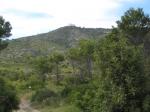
{"x": 42, "y": 44}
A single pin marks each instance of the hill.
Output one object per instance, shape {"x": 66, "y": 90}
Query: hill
{"x": 43, "y": 44}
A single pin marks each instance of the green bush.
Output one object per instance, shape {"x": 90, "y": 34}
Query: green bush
{"x": 8, "y": 98}
{"x": 12, "y": 74}
{"x": 81, "y": 94}
{"x": 45, "y": 96}
{"x": 66, "y": 91}
{"x": 146, "y": 104}
{"x": 34, "y": 83}
{"x": 69, "y": 85}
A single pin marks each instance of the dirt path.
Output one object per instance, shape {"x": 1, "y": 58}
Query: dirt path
{"x": 25, "y": 106}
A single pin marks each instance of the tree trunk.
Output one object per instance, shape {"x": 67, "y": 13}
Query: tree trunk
{"x": 57, "y": 74}
{"x": 74, "y": 73}
{"x": 89, "y": 67}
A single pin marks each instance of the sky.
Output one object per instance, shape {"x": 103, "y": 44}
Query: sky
{"x": 31, "y": 17}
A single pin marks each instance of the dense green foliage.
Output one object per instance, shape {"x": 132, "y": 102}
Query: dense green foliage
{"x": 121, "y": 66}
{"x": 8, "y": 98}
{"x": 45, "y": 96}
{"x": 5, "y": 31}
{"x": 120, "y": 81}
{"x": 135, "y": 24}
{"x": 81, "y": 59}
{"x": 48, "y": 64}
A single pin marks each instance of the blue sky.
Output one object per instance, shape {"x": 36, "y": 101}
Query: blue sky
{"x": 31, "y": 17}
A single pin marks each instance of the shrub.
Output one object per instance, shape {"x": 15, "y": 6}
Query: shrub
{"x": 34, "y": 83}
{"x": 45, "y": 96}
{"x": 81, "y": 94}
{"x": 8, "y": 98}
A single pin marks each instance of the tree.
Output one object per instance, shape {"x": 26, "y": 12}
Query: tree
{"x": 81, "y": 58}
{"x": 57, "y": 58}
{"x": 48, "y": 64}
{"x": 5, "y": 28}
{"x": 8, "y": 98}
{"x": 135, "y": 24}
{"x": 43, "y": 66}
{"x": 122, "y": 78}
{"x": 76, "y": 60}
{"x": 5, "y": 31}
{"x": 87, "y": 48}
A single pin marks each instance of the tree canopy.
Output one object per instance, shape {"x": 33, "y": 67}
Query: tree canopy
{"x": 135, "y": 24}
{"x": 5, "y": 31}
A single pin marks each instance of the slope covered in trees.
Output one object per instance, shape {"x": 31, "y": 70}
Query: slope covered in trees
{"x": 43, "y": 44}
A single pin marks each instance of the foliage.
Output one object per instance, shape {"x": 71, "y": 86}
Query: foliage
{"x": 8, "y": 98}
{"x": 121, "y": 66}
{"x": 82, "y": 96}
{"x": 135, "y": 24}
{"x": 47, "y": 64}
{"x": 62, "y": 108}
{"x": 33, "y": 82}
{"x": 45, "y": 96}
{"x": 43, "y": 66}
{"x": 120, "y": 84}
{"x": 5, "y": 28}
{"x": 21, "y": 49}
{"x": 109, "y": 75}
{"x": 81, "y": 59}
{"x": 146, "y": 104}
{"x": 5, "y": 31}
{"x": 56, "y": 59}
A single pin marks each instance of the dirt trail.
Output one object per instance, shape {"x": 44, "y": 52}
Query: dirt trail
{"x": 25, "y": 106}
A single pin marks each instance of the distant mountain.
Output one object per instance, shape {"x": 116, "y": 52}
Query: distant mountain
{"x": 43, "y": 44}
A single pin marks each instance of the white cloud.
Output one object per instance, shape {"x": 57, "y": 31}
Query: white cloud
{"x": 85, "y": 13}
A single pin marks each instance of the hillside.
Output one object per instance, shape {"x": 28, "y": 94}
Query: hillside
{"x": 43, "y": 44}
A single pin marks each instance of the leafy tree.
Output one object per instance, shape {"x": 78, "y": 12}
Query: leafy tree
{"x": 135, "y": 24}
{"x": 5, "y": 31}
{"x": 87, "y": 48}
{"x": 76, "y": 60}
{"x": 48, "y": 64}
{"x": 43, "y": 66}
{"x": 122, "y": 78}
{"x": 8, "y": 99}
{"x": 81, "y": 58}
{"x": 57, "y": 58}
{"x": 5, "y": 28}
